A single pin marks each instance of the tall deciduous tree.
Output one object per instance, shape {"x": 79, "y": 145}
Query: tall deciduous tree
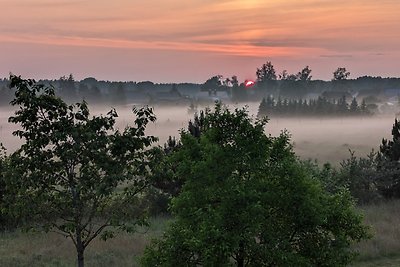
{"x": 75, "y": 174}
{"x": 246, "y": 201}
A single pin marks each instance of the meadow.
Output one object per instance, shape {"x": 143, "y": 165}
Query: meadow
{"x": 19, "y": 249}
{"x": 324, "y": 140}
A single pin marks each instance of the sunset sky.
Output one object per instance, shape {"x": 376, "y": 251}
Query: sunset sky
{"x": 192, "y": 40}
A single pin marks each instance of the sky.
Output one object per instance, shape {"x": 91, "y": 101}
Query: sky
{"x": 193, "y": 40}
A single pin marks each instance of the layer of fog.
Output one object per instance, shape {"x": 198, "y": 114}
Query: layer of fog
{"x": 327, "y": 140}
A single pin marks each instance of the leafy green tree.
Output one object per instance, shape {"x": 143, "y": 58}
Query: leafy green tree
{"x": 247, "y": 201}
{"x": 75, "y": 174}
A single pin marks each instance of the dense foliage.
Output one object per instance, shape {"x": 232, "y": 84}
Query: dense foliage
{"x": 75, "y": 174}
{"x": 247, "y": 201}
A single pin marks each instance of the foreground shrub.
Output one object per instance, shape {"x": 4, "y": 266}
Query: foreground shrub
{"x": 246, "y": 200}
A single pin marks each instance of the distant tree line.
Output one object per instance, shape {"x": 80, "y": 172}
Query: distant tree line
{"x": 95, "y": 91}
{"x": 269, "y": 81}
{"x": 313, "y": 107}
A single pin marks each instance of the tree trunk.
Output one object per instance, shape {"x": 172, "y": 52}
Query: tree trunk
{"x": 240, "y": 255}
{"x": 240, "y": 262}
{"x": 80, "y": 249}
{"x": 81, "y": 262}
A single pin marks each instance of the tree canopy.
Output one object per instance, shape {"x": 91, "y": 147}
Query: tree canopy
{"x": 247, "y": 201}
{"x": 76, "y": 174}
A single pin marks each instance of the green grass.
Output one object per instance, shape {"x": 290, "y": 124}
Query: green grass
{"x": 382, "y": 262}
{"x": 41, "y": 249}
{"x": 383, "y": 249}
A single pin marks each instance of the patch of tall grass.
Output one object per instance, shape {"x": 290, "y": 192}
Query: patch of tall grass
{"x": 384, "y": 220}
{"x": 20, "y": 249}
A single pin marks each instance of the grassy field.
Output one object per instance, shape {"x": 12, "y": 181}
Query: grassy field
{"x": 38, "y": 249}
{"x": 384, "y": 248}
{"x": 51, "y": 249}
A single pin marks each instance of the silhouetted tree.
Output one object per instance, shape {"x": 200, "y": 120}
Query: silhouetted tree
{"x": 389, "y": 165}
{"x": 391, "y": 148}
{"x": 340, "y": 74}
{"x": 214, "y": 84}
{"x": 234, "y": 81}
{"x": 239, "y": 92}
{"x": 266, "y": 73}
{"x": 304, "y": 74}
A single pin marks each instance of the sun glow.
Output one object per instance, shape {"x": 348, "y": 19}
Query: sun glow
{"x": 249, "y": 83}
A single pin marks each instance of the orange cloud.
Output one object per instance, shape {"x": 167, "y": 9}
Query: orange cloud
{"x": 228, "y": 49}
{"x": 286, "y": 30}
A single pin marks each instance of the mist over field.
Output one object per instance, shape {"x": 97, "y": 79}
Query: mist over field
{"x": 323, "y": 139}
